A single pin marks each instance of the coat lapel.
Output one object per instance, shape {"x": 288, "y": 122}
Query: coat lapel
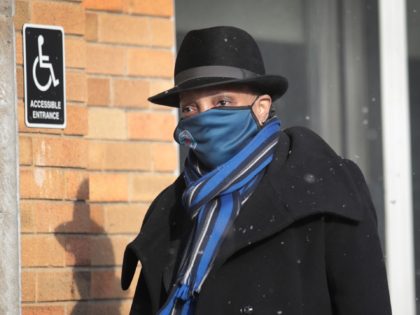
{"x": 151, "y": 246}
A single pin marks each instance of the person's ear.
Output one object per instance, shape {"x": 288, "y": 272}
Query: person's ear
{"x": 262, "y": 107}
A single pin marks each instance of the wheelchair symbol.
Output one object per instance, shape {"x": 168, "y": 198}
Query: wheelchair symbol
{"x": 42, "y": 61}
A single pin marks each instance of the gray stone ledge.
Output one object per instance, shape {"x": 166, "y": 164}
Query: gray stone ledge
{"x": 10, "y": 287}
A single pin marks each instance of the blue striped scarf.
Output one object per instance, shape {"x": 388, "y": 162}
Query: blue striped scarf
{"x": 214, "y": 200}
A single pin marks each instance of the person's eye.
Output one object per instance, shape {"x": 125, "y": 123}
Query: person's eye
{"x": 223, "y": 102}
{"x": 187, "y": 110}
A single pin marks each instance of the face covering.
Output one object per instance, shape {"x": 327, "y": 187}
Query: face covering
{"x": 216, "y": 135}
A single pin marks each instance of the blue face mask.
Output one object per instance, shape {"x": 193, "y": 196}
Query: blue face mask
{"x": 216, "y": 135}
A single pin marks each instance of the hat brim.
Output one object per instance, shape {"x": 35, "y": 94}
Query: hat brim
{"x": 274, "y": 85}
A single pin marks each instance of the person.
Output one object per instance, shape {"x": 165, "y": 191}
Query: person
{"x": 262, "y": 220}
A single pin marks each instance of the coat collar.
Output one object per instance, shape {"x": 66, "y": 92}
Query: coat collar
{"x": 305, "y": 178}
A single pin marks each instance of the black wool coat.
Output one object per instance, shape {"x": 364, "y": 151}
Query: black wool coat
{"x": 305, "y": 243}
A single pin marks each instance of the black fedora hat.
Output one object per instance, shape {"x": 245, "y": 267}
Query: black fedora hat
{"x": 218, "y": 56}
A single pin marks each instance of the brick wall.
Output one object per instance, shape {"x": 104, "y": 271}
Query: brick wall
{"x": 84, "y": 190}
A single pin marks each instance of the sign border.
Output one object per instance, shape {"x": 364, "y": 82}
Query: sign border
{"x": 40, "y": 125}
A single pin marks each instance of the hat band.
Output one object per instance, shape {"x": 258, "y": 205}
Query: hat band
{"x": 213, "y": 72}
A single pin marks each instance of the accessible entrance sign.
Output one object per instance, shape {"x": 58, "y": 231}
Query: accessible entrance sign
{"x": 45, "y": 94}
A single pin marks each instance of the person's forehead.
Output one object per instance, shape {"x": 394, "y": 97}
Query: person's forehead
{"x": 239, "y": 90}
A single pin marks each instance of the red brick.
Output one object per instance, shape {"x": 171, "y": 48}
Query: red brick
{"x": 21, "y": 14}
{"x": 150, "y": 62}
{"x": 29, "y": 286}
{"x": 73, "y": 218}
{"x": 80, "y": 307}
{"x": 107, "y": 123}
{"x": 151, "y": 7}
{"x": 34, "y": 216}
{"x": 165, "y": 157}
{"x": 162, "y": 32}
{"x": 119, "y": 156}
{"x": 41, "y": 183}
{"x": 151, "y": 126}
{"x": 27, "y": 219}
{"x": 108, "y": 187}
{"x": 108, "y": 250}
{"x": 156, "y": 107}
{"x": 70, "y": 16}
{"x": 97, "y": 218}
{"x": 60, "y": 217}
{"x": 43, "y": 309}
{"x": 41, "y": 250}
{"x": 124, "y": 218}
{"x": 75, "y": 52}
{"x": 77, "y": 120}
{"x": 106, "y": 284}
{"x": 108, "y": 5}
{"x": 145, "y": 187}
{"x": 131, "y": 93}
{"x": 91, "y": 26}
{"x": 76, "y": 185}
{"x": 25, "y": 150}
{"x": 19, "y": 49}
{"x": 76, "y": 86}
{"x": 62, "y": 285}
{"x": 78, "y": 249}
{"x": 98, "y": 91}
{"x": 19, "y": 82}
{"x": 124, "y": 29}
{"x": 157, "y": 86}
{"x": 105, "y": 59}
{"x": 32, "y": 220}
{"x": 108, "y": 307}
{"x": 53, "y": 151}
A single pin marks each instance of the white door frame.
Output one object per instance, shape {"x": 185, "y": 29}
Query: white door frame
{"x": 397, "y": 155}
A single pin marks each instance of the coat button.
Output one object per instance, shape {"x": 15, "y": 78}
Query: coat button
{"x": 247, "y": 310}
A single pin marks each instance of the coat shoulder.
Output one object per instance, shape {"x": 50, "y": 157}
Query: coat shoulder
{"x": 318, "y": 180}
